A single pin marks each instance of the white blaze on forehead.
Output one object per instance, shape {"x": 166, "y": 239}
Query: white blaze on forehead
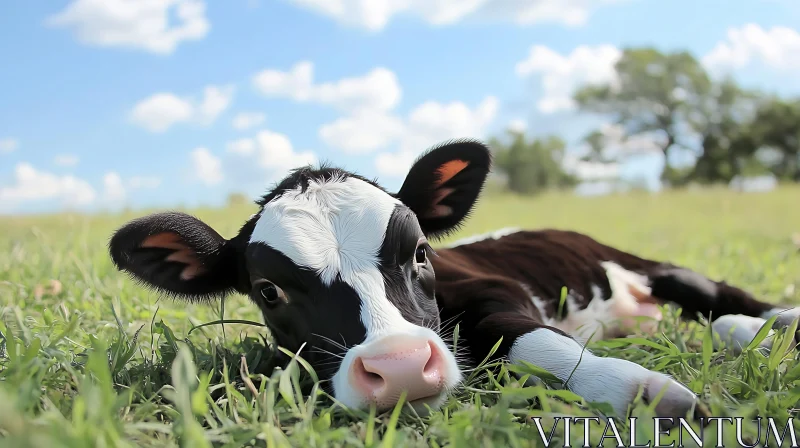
{"x": 336, "y": 227}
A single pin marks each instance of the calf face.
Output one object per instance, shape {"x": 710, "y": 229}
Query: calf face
{"x": 334, "y": 261}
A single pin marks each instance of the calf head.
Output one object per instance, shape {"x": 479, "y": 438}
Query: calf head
{"x": 334, "y": 261}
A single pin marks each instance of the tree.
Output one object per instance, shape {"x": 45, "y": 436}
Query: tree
{"x": 653, "y": 95}
{"x": 235, "y": 199}
{"x": 727, "y": 144}
{"x": 775, "y": 131}
{"x": 532, "y": 165}
{"x": 599, "y": 160}
{"x": 597, "y": 142}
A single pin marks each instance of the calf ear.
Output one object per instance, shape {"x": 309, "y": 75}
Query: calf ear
{"x": 444, "y": 183}
{"x": 177, "y": 254}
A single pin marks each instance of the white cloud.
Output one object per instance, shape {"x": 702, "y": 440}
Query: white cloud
{"x": 562, "y": 74}
{"x": 31, "y": 185}
{"x": 517, "y": 125}
{"x": 369, "y": 14}
{"x": 777, "y": 47}
{"x": 66, "y": 160}
{"x": 275, "y": 153}
{"x": 265, "y": 157}
{"x": 376, "y": 90}
{"x": 374, "y": 15}
{"x": 427, "y": 124}
{"x": 431, "y": 123}
{"x": 162, "y": 110}
{"x": 206, "y": 167}
{"x": 156, "y": 26}
{"x": 8, "y": 145}
{"x": 362, "y": 133}
{"x": 295, "y": 84}
{"x": 369, "y": 123}
{"x": 242, "y": 146}
{"x": 366, "y": 100}
{"x": 395, "y": 164}
{"x": 159, "y": 112}
{"x": 215, "y": 100}
{"x": 114, "y": 191}
{"x": 246, "y": 120}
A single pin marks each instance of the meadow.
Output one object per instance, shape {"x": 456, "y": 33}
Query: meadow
{"x": 88, "y": 358}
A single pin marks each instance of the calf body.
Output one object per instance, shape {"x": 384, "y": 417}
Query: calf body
{"x": 340, "y": 265}
{"x": 509, "y": 284}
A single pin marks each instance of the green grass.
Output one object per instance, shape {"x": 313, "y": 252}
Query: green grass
{"x": 106, "y": 363}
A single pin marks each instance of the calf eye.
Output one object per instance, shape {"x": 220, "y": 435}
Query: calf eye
{"x": 270, "y": 293}
{"x": 421, "y": 255}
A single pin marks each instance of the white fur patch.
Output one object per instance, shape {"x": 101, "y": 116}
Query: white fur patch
{"x": 604, "y": 317}
{"x": 497, "y": 234}
{"x": 596, "y": 379}
{"x": 540, "y": 306}
{"x": 337, "y": 228}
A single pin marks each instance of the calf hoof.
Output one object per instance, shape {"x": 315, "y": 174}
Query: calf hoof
{"x": 677, "y": 401}
{"x": 785, "y": 319}
{"x": 736, "y": 331}
{"x": 619, "y": 382}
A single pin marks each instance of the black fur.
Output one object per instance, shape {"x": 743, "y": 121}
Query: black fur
{"x": 698, "y": 295}
{"x": 301, "y": 177}
{"x": 221, "y": 259}
{"x": 315, "y": 313}
{"x": 410, "y": 286}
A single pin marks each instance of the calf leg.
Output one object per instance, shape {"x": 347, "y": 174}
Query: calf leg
{"x": 596, "y": 379}
{"x": 735, "y": 314}
{"x": 697, "y": 294}
{"x": 736, "y": 331}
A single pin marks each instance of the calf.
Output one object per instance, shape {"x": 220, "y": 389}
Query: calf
{"x": 335, "y": 261}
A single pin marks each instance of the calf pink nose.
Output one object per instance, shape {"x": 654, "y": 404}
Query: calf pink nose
{"x": 415, "y": 368}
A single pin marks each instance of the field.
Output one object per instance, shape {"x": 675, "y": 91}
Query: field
{"x": 100, "y": 361}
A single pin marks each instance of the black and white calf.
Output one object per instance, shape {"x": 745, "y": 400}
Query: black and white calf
{"x": 335, "y": 261}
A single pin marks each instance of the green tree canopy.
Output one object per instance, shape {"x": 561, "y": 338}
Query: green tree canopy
{"x": 665, "y": 101}
{"x": 776, "y": 130}
{"x": 723, "y": 124}
{"x": 653, "y": 95}
{"x": 670, "y": 99}
{"x": 531, "y": 165}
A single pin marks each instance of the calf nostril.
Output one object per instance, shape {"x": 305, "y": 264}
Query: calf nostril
{"x": 370, "y": 379}
{"x": 434, "y": 363}
{"x": 418, "y": 367}
{"x": 374, "y": 377}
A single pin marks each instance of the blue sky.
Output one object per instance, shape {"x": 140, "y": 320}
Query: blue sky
{"x": 114, "y": 103}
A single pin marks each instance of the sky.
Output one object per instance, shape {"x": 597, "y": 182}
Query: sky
{"x": 111, "y": 104}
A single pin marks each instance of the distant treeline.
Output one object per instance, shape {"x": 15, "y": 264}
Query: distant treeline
{"x": 669, "y": 104}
